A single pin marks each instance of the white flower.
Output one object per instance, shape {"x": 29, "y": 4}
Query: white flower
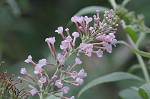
{"x": 29, "y": 59}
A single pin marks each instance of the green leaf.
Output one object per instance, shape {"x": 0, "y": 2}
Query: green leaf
{"x": 45, "y": 94}
{"x": 142, "y": 53}
{"x": 141, "y": 37}
{"x": 129, "y": 94}
{"x": 117, "y": 76}
{"x": 125, "y": 2}
{"x": 143, "y": 94}
{"x": 134, "y": 68}
{"x": 90, "y": 10}
{"x": 54, "y": 97}
{"x": 131, "y": 33}
{"x": 146, "y": 29}
{"x": 144, "y": 91}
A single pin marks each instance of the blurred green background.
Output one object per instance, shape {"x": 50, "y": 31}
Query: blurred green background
{"x": 24, "y": 25}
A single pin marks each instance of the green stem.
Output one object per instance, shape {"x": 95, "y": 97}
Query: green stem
{"x": 57, "y": 70}
{"x": 141, "y": 37}
{"x": 143, "y": 66}
{"x": 141, "y": 61}
{"x": 41, "y": 96}
{"x": 41, "y": 92}
{"x": 113, "y": 3}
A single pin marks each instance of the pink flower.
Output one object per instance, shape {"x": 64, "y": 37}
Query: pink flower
{"x": 66, "y": 29}
{"x": 72, "y": 97}
{"x": 74, "y": 19}
{"x": 107, "y": 46}
{"x": 88, "y": 52}
{"x": 64, "y": 45}
{"x": 59, "y": 30}
{"x": 50, "y": 40}
{"x": 75, "y": 34}
{"x": 29, "y": 59}
{"x": 81, "y": 28}
{"x": 100, "y": 25}
{"x": 19, "y": 77}
{"x": 42, "y": 62}
{"x": 23, "y": 71}
{"x": 91, "y": 30}
{"x": 33, "y": 91}
{"x": 106, "y": 38}
{"x": 111, "y": 37}
{"x": 38, "y": 70}
{"x": 68, "y": 39}
{"x": 78, "y": 61}
{"x": 74, "y": 74}
{"x": 79, "y": 81}
{"x": 96, "y": 19}
{"x": 80, "y": 19}
{"x": 58, "y": 84}
{"x": 60, "y": 58}
{"x": 99, "y": 53}
{"x": 65, "y": 89}
{"x": 89, "y": 47}
{"x": 102, "y": 37}
{"x": 42, "y": 80}
{"x": 82, "y": 46}
{"x": 82, "y": 73}
{"x": 114, "y": 41}
{"x": 54, "y": 78}
{"x": 87, "y": 20}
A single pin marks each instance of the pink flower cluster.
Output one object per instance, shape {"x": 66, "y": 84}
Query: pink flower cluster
{"x": 43, "y": 79}
{"x": 94, "y": 40}
{"x": 77, "y": 77}
{"x": 103, "y": 33}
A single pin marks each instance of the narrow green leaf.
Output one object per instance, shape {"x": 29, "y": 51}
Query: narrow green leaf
{"x": 134, "y": 68}
{"x": 90, "y": 10}
{"x": 146, "y": 29}
{"x": 45, "y": 94}
{"x": 131, "y": 33}
{"x": 142, "y": 53}
{"x": 117, "y": 76}
{"x": 144, "y": 91}
{"x": 54, "y": 97}
{"x": 129, "y": 94}
{"x": 141, "y": 37}
{"x": 125, "y": 2}
{"x": 143, "y": 94}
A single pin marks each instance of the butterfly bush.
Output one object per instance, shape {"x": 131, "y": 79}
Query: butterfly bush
{"x": 97, "y": 36}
